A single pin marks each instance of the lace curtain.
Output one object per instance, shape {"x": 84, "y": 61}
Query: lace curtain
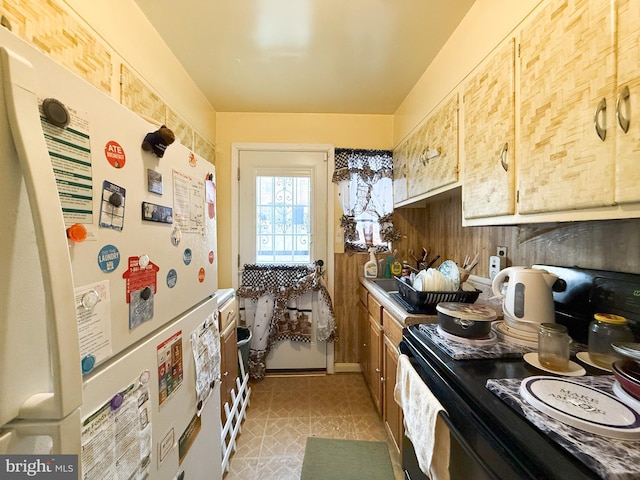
{"x": 365, "y": 188}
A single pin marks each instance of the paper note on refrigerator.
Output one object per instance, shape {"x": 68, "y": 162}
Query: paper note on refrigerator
{"x": 70, "y": 154}
{"x": 116, "y": 439}
{"x": 205, "y": 345}
{"x": 188, "y": 202}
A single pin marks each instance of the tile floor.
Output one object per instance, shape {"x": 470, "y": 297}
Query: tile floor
{"x": 285, "y": 410}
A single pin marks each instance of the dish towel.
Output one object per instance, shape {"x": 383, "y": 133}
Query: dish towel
{"x": 426, "y": 430}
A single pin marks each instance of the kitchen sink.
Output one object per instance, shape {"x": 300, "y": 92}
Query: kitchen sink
{"x": 389, "y": 285}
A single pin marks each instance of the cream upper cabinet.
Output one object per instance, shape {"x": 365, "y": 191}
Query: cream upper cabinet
{"x": 567, "y": 91}
{"x": 400, "y": 174}
{"x": 488, "y": 177}
{"x": 428, "y": 159}
{"x": 628, "y": 103}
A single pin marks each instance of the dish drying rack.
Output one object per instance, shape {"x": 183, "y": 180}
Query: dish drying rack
{"x": 425, "y": 302}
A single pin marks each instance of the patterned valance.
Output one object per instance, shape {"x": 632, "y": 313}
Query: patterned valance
{"x": 369, "y": 164}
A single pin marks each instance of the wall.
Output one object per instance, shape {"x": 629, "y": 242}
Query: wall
{"x": 113, "y": 46}
{"x": 603, "y": 245}
{"x": 486, "y": 24}
{"x": 350, "y": 131}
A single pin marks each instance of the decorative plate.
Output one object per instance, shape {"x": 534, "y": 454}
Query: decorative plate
{"x": 450, "y": 271}
{"x": 582, "y": 407}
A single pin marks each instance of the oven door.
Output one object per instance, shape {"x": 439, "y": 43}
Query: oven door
{"x": 464, "y": 463}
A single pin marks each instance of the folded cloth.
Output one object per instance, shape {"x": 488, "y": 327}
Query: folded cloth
{"x": 423, "y": 426}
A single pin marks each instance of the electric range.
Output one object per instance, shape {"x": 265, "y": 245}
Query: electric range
{"x": 493, "y": 439}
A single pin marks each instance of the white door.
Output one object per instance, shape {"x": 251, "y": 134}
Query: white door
{"x": 283, "y": 220}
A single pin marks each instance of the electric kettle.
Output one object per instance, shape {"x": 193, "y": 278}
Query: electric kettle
{"x": 529, "y": 296}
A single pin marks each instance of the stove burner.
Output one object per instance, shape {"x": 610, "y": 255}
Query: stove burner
{"x": 488, "y": 340}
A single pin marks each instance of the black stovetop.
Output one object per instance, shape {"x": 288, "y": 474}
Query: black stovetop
{"x": 496, "y": 431}
{"x": 501, "y": 436}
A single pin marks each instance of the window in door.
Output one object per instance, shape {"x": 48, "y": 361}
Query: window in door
{"x": 282, "y": 207}
{"x": 283, "y": 210}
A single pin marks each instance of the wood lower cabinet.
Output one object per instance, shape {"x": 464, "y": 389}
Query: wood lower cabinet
{"x": 380, "y": 334}
{"x": 364, "y": 339}
{"x": 370, "y": 351}
{"x": 228, "y": 321}
{"x": 375, "y": 368}
{"x": 391, "y": 411}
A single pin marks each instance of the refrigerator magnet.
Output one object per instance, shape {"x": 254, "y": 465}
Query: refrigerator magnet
{"x": 112, "y": 206}
{"x": 154, "y": 181}
{"x": 157, "y": 213}
{"x": 187, "y": 256}
{"x": 172, "y": 278}
{"x": 115, "y": 154}
{"x": 176, "y": 236}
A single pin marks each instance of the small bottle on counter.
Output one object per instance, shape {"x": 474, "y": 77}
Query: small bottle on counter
{"x": 371, "y": 267}
{"x": 553, "y": 346}
{"x": 604, "y": 330}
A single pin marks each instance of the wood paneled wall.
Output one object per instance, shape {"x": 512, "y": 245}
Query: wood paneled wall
{"x": 606, "y": 245}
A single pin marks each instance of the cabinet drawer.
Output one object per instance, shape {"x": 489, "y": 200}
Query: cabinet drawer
{"x": 392, "y": 328}
{"x": 362, "y": 293}
{"x": 227, "y": 314}
{"x": 374, "y": 308}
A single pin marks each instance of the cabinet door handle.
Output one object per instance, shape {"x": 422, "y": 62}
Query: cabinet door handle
{"x": 503, "y": 157}
{"x": 382, "y": 380}
{"x": 623, "y": 99}
{"x": 377, "y": 370}
{"x": 601, "y": 111}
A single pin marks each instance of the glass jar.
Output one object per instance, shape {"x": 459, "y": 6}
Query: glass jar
{"x": 604, "y": 330}
{"x": 553, "y": 346}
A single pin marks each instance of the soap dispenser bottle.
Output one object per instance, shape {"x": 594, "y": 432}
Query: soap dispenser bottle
{"x": 371, "y": 267}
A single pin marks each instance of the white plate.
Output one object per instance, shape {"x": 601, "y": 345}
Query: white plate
{"x": 575, "y": 370}
{"x": 584, "y": 357}
{"x": 489, "y": 340}
{"x": 582, "y": 407}
{"x": 506, "y": 333}
{"x": 625, "y": 397}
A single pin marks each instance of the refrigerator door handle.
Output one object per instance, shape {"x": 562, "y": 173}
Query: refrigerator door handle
{"x": 24, "y": 119}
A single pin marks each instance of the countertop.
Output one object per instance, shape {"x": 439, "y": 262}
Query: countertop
{"x": 405, "y": 318}
{"x": 400, "y": 314}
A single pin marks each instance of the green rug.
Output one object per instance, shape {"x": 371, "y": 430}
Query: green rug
{"x": 331, "y": 459}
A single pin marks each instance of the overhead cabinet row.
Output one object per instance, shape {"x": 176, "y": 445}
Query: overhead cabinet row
{"x": 547, "y": 123}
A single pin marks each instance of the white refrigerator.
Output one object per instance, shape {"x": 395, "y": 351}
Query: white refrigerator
{"x": 109, "y": 348}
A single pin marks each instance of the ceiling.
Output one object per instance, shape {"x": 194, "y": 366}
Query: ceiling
{"x": 305, "y": 56}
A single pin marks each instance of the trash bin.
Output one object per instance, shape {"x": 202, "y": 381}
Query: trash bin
{"x": 244, "y": 337}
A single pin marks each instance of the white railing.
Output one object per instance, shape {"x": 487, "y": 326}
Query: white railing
{"x": 235, "y": 414}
